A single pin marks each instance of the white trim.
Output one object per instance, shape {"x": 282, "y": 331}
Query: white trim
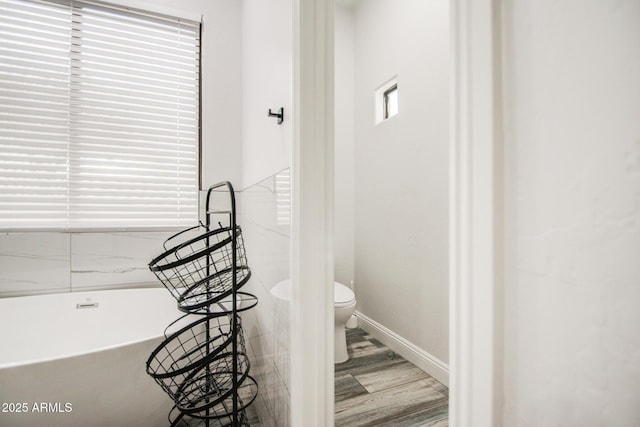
{"x": 475, "y": 394}
{"x": 312, "y": 322}
{"x": 414, "y": 354}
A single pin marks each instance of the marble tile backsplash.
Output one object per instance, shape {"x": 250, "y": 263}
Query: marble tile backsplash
{"x": 33, "y": 263}
{"x": 105, "y": 259}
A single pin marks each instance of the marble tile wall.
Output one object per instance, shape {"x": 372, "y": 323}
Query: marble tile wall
{"x": 33, "y": 263}
{"x": 267, "y": 242}
{"x": 108, "y": 259}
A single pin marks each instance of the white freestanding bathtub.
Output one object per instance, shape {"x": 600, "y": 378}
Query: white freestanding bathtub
{"x": 79, "y": 359}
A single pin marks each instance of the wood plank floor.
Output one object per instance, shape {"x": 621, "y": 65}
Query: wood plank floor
{"x": 376, "y": 387}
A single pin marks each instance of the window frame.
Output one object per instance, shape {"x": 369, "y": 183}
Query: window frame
{"x": 381, "y": 97}
{"x": 385, "y": 101}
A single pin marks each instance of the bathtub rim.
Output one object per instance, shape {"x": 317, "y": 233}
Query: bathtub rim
{"x": 33, "y": 361}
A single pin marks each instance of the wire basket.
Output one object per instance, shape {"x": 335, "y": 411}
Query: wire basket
{"x": 185, "y": 235}
{"x": 190, "y": 347}
{"x": 210, "y": 384}
{"x": 220, "y": 406}
{"x": 199, "y": 271}
{"x": 179, "y": 419}
{"x": 244, "y": 301}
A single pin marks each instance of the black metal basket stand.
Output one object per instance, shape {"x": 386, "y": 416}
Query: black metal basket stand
{"x": 202, "y": 363}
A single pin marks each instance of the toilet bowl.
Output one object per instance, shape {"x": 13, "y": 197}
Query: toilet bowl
{"x": 344, "y": 304}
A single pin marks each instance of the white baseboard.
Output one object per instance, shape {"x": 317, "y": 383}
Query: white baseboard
{"x": 423, "y": 360}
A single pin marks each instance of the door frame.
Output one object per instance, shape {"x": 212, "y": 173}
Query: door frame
{"x": 475, "y": 231}
{"x": 311, "y": 354}
{"x": 475, "y": 206}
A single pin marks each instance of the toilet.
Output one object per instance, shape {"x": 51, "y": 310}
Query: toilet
{"x": 344, "y": 304}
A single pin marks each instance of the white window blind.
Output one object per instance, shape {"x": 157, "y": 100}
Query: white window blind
{"x": 99, "y": 117}
{"x": 283, "y": 197}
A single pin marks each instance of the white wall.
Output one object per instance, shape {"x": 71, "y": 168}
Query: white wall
{"x": 344, "y": 161}
{"x": 267, "y": 82}
{"x": 572, "y": 289}
{"x": 400, "y": 166}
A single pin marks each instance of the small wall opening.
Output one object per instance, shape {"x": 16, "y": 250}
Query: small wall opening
{"x": 387, "y": 100}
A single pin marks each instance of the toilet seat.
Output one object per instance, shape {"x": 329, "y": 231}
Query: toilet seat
{"x": 342, "y": 295}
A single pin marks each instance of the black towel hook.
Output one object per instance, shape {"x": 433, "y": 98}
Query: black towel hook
{"x": 279, "y": 115}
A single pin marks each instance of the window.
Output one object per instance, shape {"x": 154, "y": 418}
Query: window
{"x": 390, "y": 101}
{"x": 386, "y": 99}
{"x": 99, "y": 117}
